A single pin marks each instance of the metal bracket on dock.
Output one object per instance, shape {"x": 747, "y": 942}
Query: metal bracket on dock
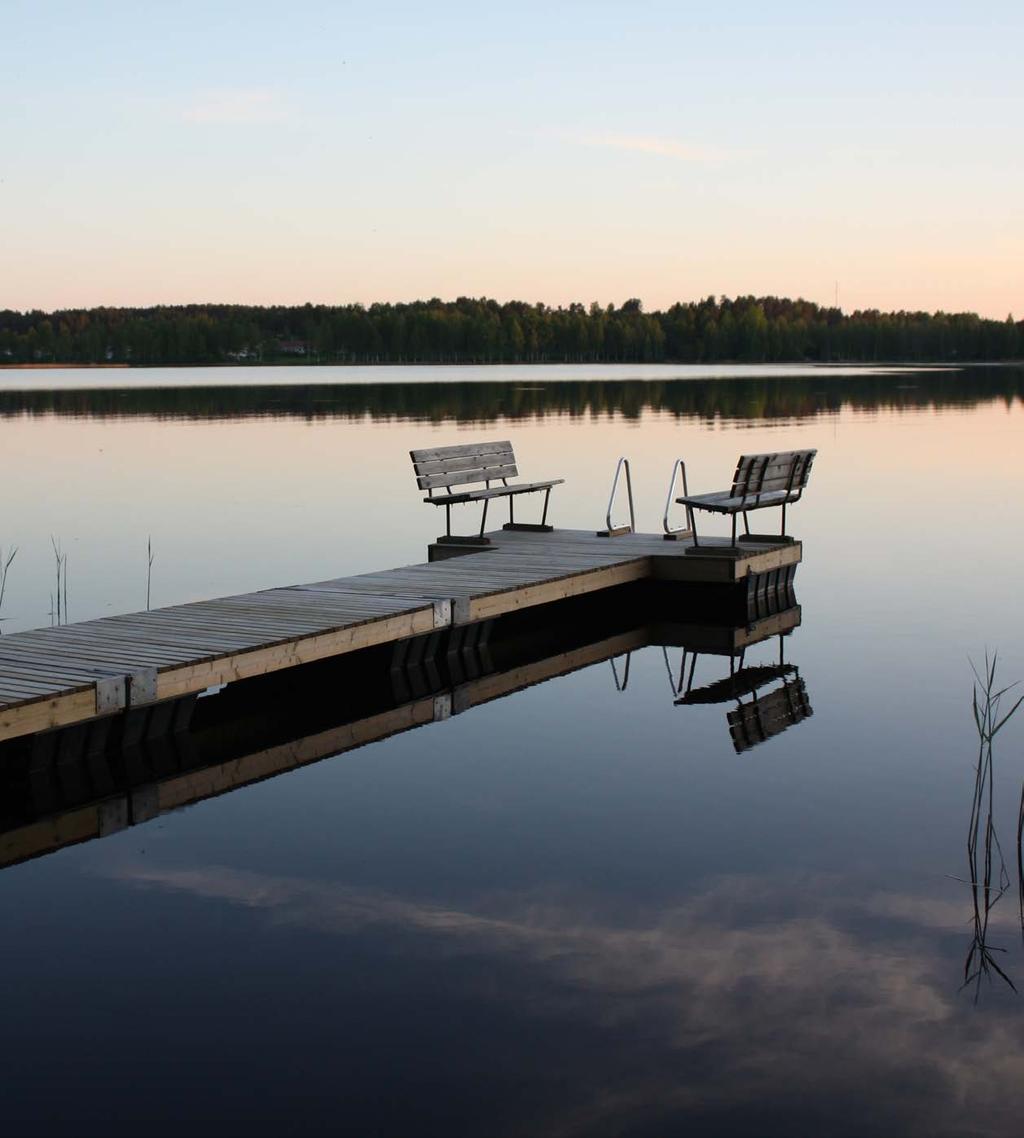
{"x": 111, "y": 694}
{"x": 614, "y": 530}
{"x": 683, "y": 532}
{"x": 115, "y": 693}
{"x": 142, "y": 687}
{"x": 442, "y": 706}
{"x": 442, "y": 614}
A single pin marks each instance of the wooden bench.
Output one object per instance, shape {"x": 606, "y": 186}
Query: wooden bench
{"x": 448, "y": 467}
{"x": 761, "y": 481}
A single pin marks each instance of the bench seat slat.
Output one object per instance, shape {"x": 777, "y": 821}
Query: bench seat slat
{"x": 493, "y": 492}
{"x": 724, "y": 502}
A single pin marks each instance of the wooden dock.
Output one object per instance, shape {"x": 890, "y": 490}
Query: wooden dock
{"x": 68, "y": 786}
{"x": 54, "y": 677}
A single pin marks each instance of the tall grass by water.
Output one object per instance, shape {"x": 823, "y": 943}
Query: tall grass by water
{"x": 989, "y": 875}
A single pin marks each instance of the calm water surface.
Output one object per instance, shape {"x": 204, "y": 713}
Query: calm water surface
{"x": 576, "y": 910}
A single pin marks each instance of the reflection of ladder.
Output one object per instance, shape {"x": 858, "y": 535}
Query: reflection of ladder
{"x": 764, "y": 715}
{"x": 740, "y": 681}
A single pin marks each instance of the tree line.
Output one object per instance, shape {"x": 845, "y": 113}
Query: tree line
{"x": 743, "y": 329}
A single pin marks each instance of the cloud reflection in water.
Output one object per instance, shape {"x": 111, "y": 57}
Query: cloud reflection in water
{"x": 744, "y": 1007}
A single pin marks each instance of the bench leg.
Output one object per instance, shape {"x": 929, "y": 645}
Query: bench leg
{"x": 483, "y": 517}
{"x": 511, "y": 513}
{"x": 782, "y": 532}
{"x": 734, "y": 531}
{"x": 530, "y": 527}
{"x": 448, "y": 519}
{"x": 746, "y": 523}
{"x": 693, "y": 526}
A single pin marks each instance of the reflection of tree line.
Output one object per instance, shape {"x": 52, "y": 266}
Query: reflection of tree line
{"x": 749, "y": 398}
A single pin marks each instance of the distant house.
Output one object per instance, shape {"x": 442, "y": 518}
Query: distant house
{"x": 292, "y": 347}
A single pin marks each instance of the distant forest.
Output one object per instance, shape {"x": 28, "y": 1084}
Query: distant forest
{"x": 745, "y": 329}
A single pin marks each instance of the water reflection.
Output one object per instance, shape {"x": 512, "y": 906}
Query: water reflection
{"x": 797, "y": 398}
{"x": 743, "y": 1002}
{"x": 94, "y": 779}
{"x": 762, "y": 711}
{"x": 731, "y": 1011}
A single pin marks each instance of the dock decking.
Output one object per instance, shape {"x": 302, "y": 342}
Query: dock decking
{"x": 53, "y": 677}
{"x": 70, "y": 794}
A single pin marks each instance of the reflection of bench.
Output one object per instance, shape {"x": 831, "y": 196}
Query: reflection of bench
{"x": 768, "y": 715}
{"x": 467, "y": 465}
{"x": 760, "y": 481}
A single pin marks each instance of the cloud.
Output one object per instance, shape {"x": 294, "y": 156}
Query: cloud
{"x": 231, "y": 107}
{"x": 652, "y": 144}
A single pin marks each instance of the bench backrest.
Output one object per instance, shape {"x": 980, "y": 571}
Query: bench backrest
{"x": 461, "y": 465}
{"x": 755, "y": 722}
{"x": 759, "y": 473}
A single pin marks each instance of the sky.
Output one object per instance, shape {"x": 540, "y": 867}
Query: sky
{"x": 333, "y": 152}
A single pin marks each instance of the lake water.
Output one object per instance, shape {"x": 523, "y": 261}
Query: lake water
{"x": 576, "y": 910}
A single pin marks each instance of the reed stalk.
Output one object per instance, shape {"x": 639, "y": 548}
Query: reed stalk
{"x": 149, "y": 569}
{"x": 5, "y": 564}
{"x": 989, "y": 878}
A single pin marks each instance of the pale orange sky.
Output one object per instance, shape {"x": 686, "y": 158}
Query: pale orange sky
{"x": 346, "y": 155}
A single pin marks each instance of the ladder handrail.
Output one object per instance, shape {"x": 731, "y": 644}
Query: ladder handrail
{"x": 688, "y": 528}
{"x": 623, "y": 462}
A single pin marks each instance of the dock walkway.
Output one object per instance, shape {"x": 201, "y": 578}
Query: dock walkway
{"x": 53, "y": 677}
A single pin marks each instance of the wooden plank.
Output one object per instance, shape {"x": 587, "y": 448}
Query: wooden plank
{"x": 473, "y": 462}
{"x": 459, "y": 451}
{"x": 493, "y": 492}
{"x": 780, "y": 470}
{"x": 41, "y": 715}
{"x": 259, "y": 661}
{"x": 13, "y": 692}
{"x": 196, "y": 645}
{"x": 485, "y": 607}
{"x": 476, "y": 473}
{"x": 709, "y": 570}
{"x": 46, "y": 672}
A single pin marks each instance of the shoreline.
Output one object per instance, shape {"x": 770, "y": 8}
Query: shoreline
{"x": 822, "y": 364}
{"x": 61, "y": 367}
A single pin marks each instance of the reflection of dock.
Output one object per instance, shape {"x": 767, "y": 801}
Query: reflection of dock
{"x": 85, "y": 781}
{"x": 767, "y": 713}
{"x": 58, "y": 676}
